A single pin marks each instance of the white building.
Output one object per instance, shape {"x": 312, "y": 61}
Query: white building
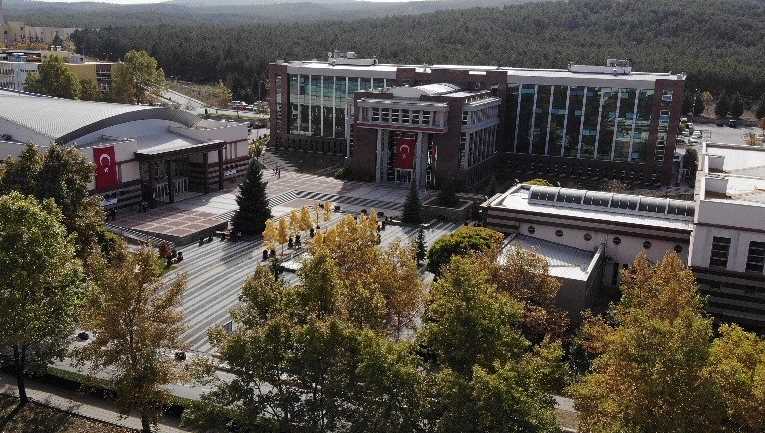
{"x": 142, "y": 153}
{"x": 721, "y": 234}
{"x": 13, "y": 74}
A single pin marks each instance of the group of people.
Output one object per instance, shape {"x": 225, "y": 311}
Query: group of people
{"x": 277, "y": 172}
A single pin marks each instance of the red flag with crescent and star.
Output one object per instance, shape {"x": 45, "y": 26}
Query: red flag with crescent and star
{"x": 405, "y": 153}
{"x": 106, "y": 168}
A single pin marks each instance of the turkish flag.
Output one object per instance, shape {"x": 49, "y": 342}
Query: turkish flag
{"x": 405, "y": 153}
{"x": 106, "y": 168}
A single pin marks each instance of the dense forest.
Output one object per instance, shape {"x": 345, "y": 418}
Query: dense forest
{"x": 719, "y": 43}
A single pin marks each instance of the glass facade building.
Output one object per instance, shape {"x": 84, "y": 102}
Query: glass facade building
{"x": 319, "y": 103}
{"x": 601, "y": 123}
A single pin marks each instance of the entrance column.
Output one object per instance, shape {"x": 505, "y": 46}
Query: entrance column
{"x": 379, "y": 162}
{"x": 205, "y": 178}
{"x": 169, "y": 176}
{"x": 220, "y": 168}
{"x": 418, "y": 161}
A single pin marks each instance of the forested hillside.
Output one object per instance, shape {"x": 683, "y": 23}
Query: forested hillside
{"x": 719, "y": 43}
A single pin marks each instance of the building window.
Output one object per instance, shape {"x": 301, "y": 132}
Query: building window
{"x": 720, "y": 250}
{"x": 755, "y": 259}
{"x": 617, "y": 240}
{"x": 587, "y": 237}
{"x": 647, "y": 244}
{"x": 532, "y": 230}
{"x": 559, "y": 233}
{"x": 375, "y": 114}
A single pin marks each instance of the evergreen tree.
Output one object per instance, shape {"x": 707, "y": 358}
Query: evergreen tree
{"x": 723, "y": 105}
{"x": 447, "y": 196}
{"x": 760, "y": 113}
{"x": 413, "y": 207}
{"x": 250, "y": 218}
{"x": 737, "y": 106}
{"x": 699, "y": 106}
{"x": 420, "y": 251}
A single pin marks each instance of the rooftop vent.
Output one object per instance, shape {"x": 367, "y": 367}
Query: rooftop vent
{"x": 348, "y": 58}
{"x": 613, "y": 66}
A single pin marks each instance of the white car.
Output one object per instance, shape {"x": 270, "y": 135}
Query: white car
{"x": 696, "y": 134}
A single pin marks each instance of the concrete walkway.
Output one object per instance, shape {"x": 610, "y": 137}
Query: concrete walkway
{"x": 81, "y": 404}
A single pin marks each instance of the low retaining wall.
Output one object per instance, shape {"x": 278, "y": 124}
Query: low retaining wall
{"x": 431, "y": 209}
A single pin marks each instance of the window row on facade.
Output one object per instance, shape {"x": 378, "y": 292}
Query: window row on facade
{"x": 402, "y": 116}
{"x": 477, "y": 146}
{"x": 319, "y": 104}
{"x": 720, "y": 252}
{"x": 581, "y": 122}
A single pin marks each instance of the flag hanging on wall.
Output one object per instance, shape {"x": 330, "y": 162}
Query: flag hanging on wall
{"x": 106, "y": 168}
{"x": 405, "y": 153}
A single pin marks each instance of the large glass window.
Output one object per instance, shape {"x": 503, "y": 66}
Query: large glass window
{"x": 574, "y": 121}
{"x": 642, "y": 125}
{"x": 557, "y": 121}
{"x": 624, "y": 124}
{"x": 720, "y": 251}
{"x": 294, "y": 117}
{"x": 525, "y": 113}
{"x": 304, "y": 115}
{"x": 340, "y": 122}
{"x": 590, "y": 127}
{"x": 607, "y": 123}
{"x": 316, "y": 120}
{"x": 755, "y": 259}
{"x": 366, "y": 84}
{"x": 294, "y": 86}
{"x": 512, "y": 113}
{"x": 541, "y": 113}
{"x": 340, "y": 91}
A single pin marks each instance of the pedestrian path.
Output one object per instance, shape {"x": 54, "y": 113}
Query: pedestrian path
{"x": 368, "y": 203}
{"x": 81, "y": 404}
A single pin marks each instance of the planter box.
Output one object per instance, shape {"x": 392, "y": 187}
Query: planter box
{"x": 431, "y": 209}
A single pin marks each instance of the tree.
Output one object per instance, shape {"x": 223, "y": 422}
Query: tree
{"x": 447, "y": 196}
{"x": 485, "y": 377}
{"x": 258, "y": 146}
{"x": 137, "y": 322}
{"x": 699, "y": 106}
{"x": 253, "y": 211}
{"x": 723, "y": 106}
{"x": 525, "y": 276}
{"x": 294, "y": 222}
{"x": 41, "y": 284}
{"x": 737, "y": 366}
{"x": 687, "y": 107}
{"x": 760, "y": 113}
{"x": 221, "y": 95}
{"x": 306, "y": 222}
{"x": 737, "y": 106}
{"x": 89, "y": 90}
{"x": 53, "y": 78}
{"x": 57, "y": 41}
{"x": 412, "y": 213}
{"x": 62, "y": 174}
{"x": 270, "y": 234}
{"x": 421, "y": 252}
{"x": 137, "y": 79}
{"x": 282, "y": 232}
{"x": 465, "y": 240}
{"x": 538, "y": 182}
{"x": 650, "y": 357}
{"x": 329, "y": 209}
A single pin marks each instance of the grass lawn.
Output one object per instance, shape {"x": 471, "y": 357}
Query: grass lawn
{"x": 35, "y": 418}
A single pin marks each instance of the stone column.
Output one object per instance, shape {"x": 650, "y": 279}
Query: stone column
{"x": 220, "y": 169}
{"x": 379, "y": 163}
{"x": 418, "y": 164}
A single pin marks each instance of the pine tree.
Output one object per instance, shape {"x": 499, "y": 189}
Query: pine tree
{"x": 723, "y": 106}
{"x": 761, "y": 108}
{"x": 250, "y": 218}
{"x": 412, "y": 207}
{"x": 699, "y": 106}
{"x": 737, "y": 106}
{"x": 420, "y": 252}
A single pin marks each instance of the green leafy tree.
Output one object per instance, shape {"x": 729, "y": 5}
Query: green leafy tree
{"x": 221, "y": 95}
{"x": 412, "y": 213}
{"x": 465, "y": 240}
{"x": 723, "y": 106}
{"x": 137, "y": 322}
{"x": 89, "y": 90}
{"x": 760, "y": 113}
{"x": 485, "y": 376}
{"x": 53, "y": 78}
{"x": 21, "y": 173}
{"x": 648, "y": 375}
{"x": 41, "y": 284}
{"x": 253, "y": 211}
{"x": 737, "y": 106}
{"x": 137, "y": 79}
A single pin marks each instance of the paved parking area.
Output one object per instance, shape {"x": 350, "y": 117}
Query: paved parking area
{"x": 724, "y": 134}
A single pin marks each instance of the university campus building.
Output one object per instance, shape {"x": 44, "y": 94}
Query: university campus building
{"x": 585, "y": 123}
{"x": 144, "y": 155}
{"x": 589, "y": 236}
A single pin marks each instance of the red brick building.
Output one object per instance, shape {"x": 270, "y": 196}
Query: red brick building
{"x": 589, "y": 123}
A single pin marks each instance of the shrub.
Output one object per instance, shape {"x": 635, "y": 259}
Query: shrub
{"x": 463, "y": 241}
